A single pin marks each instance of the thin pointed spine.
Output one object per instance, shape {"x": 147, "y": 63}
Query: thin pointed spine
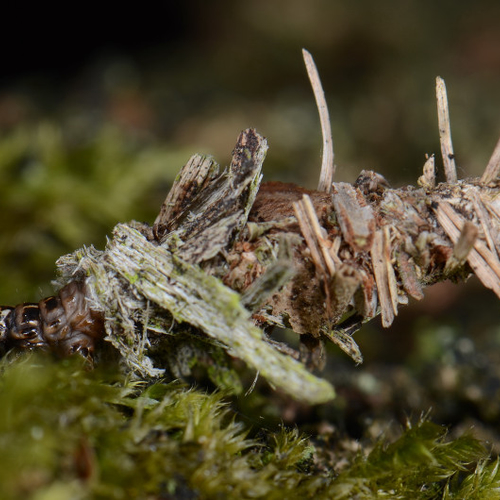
{"x": 327, "y": 166}
{"x": 450, "y": 168}
{"x": 493, "y": 168}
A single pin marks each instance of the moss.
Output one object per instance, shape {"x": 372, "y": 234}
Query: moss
{"x": 417, "y": 465}
{"x": 63, "y": 187}
{"x": 66, "y": 432}
{"x": 103, "y": 436}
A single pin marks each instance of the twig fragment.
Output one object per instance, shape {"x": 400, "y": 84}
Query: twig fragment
{"x": 463, "y": 246}
{"x": 380, "y": 254}
{"x": 491, "y": 232}
{"x": 314, "y": 235}
{"x": 493, "y": 168}
{"x": 346, "y": 343}
{"x": 450, "y": 168}
{"x": 481, "y": 259}
{"x": 327, "y": 166}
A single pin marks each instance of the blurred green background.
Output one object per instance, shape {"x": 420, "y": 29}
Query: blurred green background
{"x": 97, "y": 116}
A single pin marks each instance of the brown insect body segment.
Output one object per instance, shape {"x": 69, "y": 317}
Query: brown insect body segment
{"x": 24, "y": 327}
{"x": 63, "y": 324}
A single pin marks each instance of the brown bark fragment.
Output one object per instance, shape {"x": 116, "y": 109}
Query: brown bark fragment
{"x": 379, "y": 257}
{"x": 275, "y": 200}
{"x": 194, "y": 177}
{"x": 355, "y": 217}
{"x": 409, "y": 276}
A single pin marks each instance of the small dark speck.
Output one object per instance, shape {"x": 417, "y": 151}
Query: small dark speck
{"x": 451, "y": 156}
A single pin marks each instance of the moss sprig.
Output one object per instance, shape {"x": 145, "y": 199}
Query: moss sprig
{"x": 66, "y": 432}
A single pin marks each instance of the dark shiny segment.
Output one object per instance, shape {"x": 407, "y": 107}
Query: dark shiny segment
{"x": 26, "y": 324}
{"x": 63, "y": 323}
{"x": 29, "y": 313}
{"x": 50, "y": 303}
{"x": 53, "y": 319}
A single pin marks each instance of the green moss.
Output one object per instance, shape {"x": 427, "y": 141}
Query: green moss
{"x": 63, "y": 187}
{"x": 64, "y": 428}
{"x": 418, "y": 465}
{"x": 66, "y": 432}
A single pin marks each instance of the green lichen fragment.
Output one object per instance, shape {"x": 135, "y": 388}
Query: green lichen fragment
{"x": 192, "y": 296}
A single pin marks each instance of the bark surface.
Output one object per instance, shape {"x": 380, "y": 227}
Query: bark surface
{"x": 227, "y": 258}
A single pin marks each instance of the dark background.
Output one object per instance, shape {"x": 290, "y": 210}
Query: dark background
{"x": 205, "y": 70}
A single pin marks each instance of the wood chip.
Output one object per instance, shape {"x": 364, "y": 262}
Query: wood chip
{"x": 346, "y": 343}
{"x": 493, "y": 168}
{"x": 463, "y": 246}
{"x": 213, "y": 216}
{"x": 307, "y": 228}
{"x": 408, "y": 275}
{"x": 391, "y": 275}
{"x": 450, "y": 169}
{"x": 428, "y": 179}
{"x": 355, "y": 217}
{"x": 490, "y": 230}
{"x": 192, "y": 179}
{"x": 481, "y": 259}
{"x": 365, "y": 298}
{"x": 380, "y": 268}
{"x": 342, "y": 287}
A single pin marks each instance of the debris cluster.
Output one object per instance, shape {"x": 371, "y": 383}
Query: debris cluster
{"x": 228, "y": 258}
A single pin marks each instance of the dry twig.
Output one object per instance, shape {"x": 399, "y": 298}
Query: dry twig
{"x": 493, "y": 168}
{"x": 450, "y": 169}
{"x": 327, "y": 166}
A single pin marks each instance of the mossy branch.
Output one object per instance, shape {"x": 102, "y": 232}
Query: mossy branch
{"x": 358, "y": 252}
{"x": 227, "y": 255}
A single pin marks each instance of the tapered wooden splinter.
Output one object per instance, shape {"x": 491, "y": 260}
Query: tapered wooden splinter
{"x": 463, "y": 246}
{"x": 314, "y": 235}
{"x": 327, "y": 166}
{"x": 450, "y": 169}
{"x": 481, "y": 259}
{"x": 493, "y": 168}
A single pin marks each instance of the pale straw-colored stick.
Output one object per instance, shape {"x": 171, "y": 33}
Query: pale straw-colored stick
{"x": 327, "y": 166}
{"x": 450, "y": 169}
{"x": 493, "y": 168}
